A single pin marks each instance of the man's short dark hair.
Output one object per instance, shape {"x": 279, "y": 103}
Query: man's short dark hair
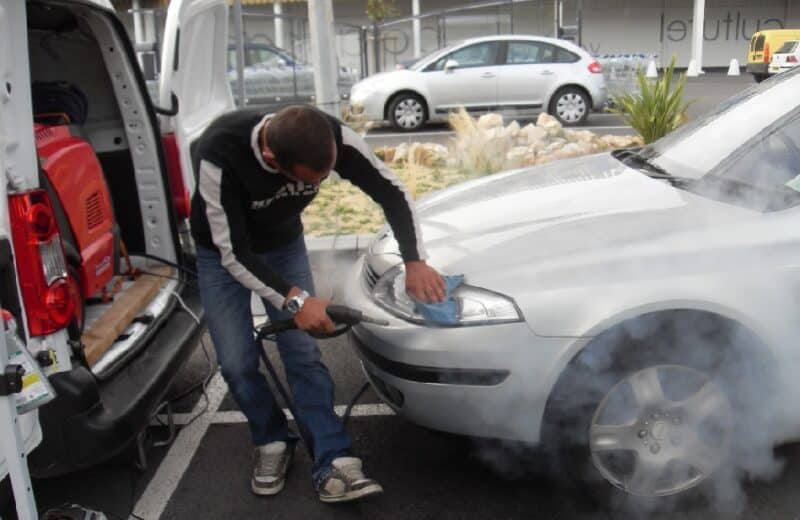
{"x": 302, "y": 135}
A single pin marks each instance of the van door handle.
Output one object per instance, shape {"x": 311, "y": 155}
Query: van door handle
{"x": 547, "y": 73}
{"x": 487, "y": 75}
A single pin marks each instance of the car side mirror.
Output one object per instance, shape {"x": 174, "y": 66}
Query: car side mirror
{"x": 450, "y": 65}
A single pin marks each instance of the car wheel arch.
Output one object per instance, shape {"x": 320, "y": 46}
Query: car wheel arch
{"x": 569, "y": 397}
{"x": 559, "y": 88}
{"x": 400, "y": 92}
{"x": 647, "y": 321}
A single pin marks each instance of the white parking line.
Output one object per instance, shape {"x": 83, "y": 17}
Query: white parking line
{"x": 164, "y": 483}
{"x": 170, "y": 471}
{"x": 236, "y": 417}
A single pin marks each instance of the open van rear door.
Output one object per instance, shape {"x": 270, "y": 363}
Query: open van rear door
{"x": 194, "y": 69}
{"x": 17, "y": 164}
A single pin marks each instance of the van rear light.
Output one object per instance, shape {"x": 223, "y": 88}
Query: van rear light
{"x": 180, "y": 195}
{"x": 59, "y": 302}
{"x": 766, "y": 52}
{"x": 595, "y": 68}
{"x": 41, "y": 269}
{"x": 53, "y": 266}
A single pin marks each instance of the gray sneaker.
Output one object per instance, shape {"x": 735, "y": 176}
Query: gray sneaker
{"x": 272, "y": 463}
{"x": 347, "y": 482}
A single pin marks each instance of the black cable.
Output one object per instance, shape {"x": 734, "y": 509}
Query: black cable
{"x": 204, "y": 382}
{"x": 150, "y": 273}
{"x": 353, "y": 402}
{"x": 180, "y": 267}
{"x": 134, "y": 485}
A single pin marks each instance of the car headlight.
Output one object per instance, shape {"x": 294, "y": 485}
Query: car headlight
{"x": 476, "y": 306}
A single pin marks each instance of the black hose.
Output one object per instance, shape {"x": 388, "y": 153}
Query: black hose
{"x": 305, "y": 434}
{"x": 353, "y": 402}
{"x": 178, "y": 266}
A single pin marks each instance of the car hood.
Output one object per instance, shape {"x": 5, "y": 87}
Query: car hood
{"x": 566, "y": 217}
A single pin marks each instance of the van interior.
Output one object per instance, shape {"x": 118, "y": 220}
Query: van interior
{"x": 77, "y": 48}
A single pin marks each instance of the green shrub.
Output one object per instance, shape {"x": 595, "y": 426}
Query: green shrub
{"x": 657, "y": 109}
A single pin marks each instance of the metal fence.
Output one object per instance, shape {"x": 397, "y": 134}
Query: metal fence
{"x": 620, "y": 70}
{"x": 391, "y": 42}
{"x": 277, "y": 67}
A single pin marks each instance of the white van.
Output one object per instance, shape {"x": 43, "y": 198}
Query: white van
{"x": 110, "y": 348}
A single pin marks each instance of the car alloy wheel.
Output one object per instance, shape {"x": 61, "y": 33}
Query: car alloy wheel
{"x": 651, "y": 438}
{"x": 408, "y": 113}
{"x": 571, "y": 107}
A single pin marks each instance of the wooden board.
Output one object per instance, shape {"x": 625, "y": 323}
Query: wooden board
{"x": 128, "y": 304}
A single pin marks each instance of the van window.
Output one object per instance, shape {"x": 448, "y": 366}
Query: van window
{"x": 759, "y": 43}
{"x": 787, "y": 47}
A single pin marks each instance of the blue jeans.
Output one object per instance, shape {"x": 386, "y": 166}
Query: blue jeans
{"x": 230, "y": 322}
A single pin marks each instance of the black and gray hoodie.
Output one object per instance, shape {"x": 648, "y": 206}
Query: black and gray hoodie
{"x": 243, "y": 207}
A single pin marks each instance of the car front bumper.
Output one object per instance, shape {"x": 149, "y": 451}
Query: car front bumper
{"x": 369, "y": 103}
{"x": 483, "y": 381}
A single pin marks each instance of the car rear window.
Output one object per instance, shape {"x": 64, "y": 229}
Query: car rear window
{"x": 787, "y": 47}
{"x": 759, "y": 44}
{"x": 564, "y": 56}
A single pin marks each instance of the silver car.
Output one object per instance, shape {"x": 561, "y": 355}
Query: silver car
{"x": 273, "y": 75}
{"x": 635, "y": 309}
{"x": 521, "y": 74}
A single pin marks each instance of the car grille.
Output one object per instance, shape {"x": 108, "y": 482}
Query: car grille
{"x": 370, "y": 276}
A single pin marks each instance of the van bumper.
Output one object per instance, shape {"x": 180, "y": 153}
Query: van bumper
{"x": 758, "y": 68}
{"x": 90, "y": 421}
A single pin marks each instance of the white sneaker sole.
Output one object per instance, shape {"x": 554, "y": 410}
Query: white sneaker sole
{"x": 265, "y": 492}
{"x": 374, "y": 489}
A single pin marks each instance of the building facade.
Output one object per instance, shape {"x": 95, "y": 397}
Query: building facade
{"x": 662, "y": 28}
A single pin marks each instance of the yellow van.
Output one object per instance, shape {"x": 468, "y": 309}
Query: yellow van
{"x": 762, "y": 45}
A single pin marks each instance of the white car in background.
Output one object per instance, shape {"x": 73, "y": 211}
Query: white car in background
{"x": 517, "y": 73}
{"x": 633, "y": 310}
{"x": 786, "y": 57}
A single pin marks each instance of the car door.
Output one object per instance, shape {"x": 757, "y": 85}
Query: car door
{"x": 471, "y": 83}
{"x": 529, "y": 73}
{"x": 194, "y": 70}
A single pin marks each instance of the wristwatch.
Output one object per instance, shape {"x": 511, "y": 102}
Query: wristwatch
{"x": 296, "y": 302}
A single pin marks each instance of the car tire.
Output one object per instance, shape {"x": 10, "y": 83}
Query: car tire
{"x": 602, "y": 456}
{"x": 408, "y": 112}
{"x": 760, "y": 77}
{"x": 570, "y": 105}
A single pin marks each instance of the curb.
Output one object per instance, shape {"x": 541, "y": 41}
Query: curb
{"x": 355, "y": 242}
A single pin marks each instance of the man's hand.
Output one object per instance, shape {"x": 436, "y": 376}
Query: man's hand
{"x": 313, "y": 317}
{"x": 423, "y": 283}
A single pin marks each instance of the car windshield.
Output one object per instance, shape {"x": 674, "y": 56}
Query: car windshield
{"x": 699, "y": 146}
{"x": 432, "y": 56}
{"x": 744, "y": 152}
{"x": 788, "y": 47}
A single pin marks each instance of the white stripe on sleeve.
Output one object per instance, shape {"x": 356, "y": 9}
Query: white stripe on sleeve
{"x": 210, "y": 186}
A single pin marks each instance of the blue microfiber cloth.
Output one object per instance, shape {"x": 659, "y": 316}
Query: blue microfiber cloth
{"x": 446, "y": 312}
